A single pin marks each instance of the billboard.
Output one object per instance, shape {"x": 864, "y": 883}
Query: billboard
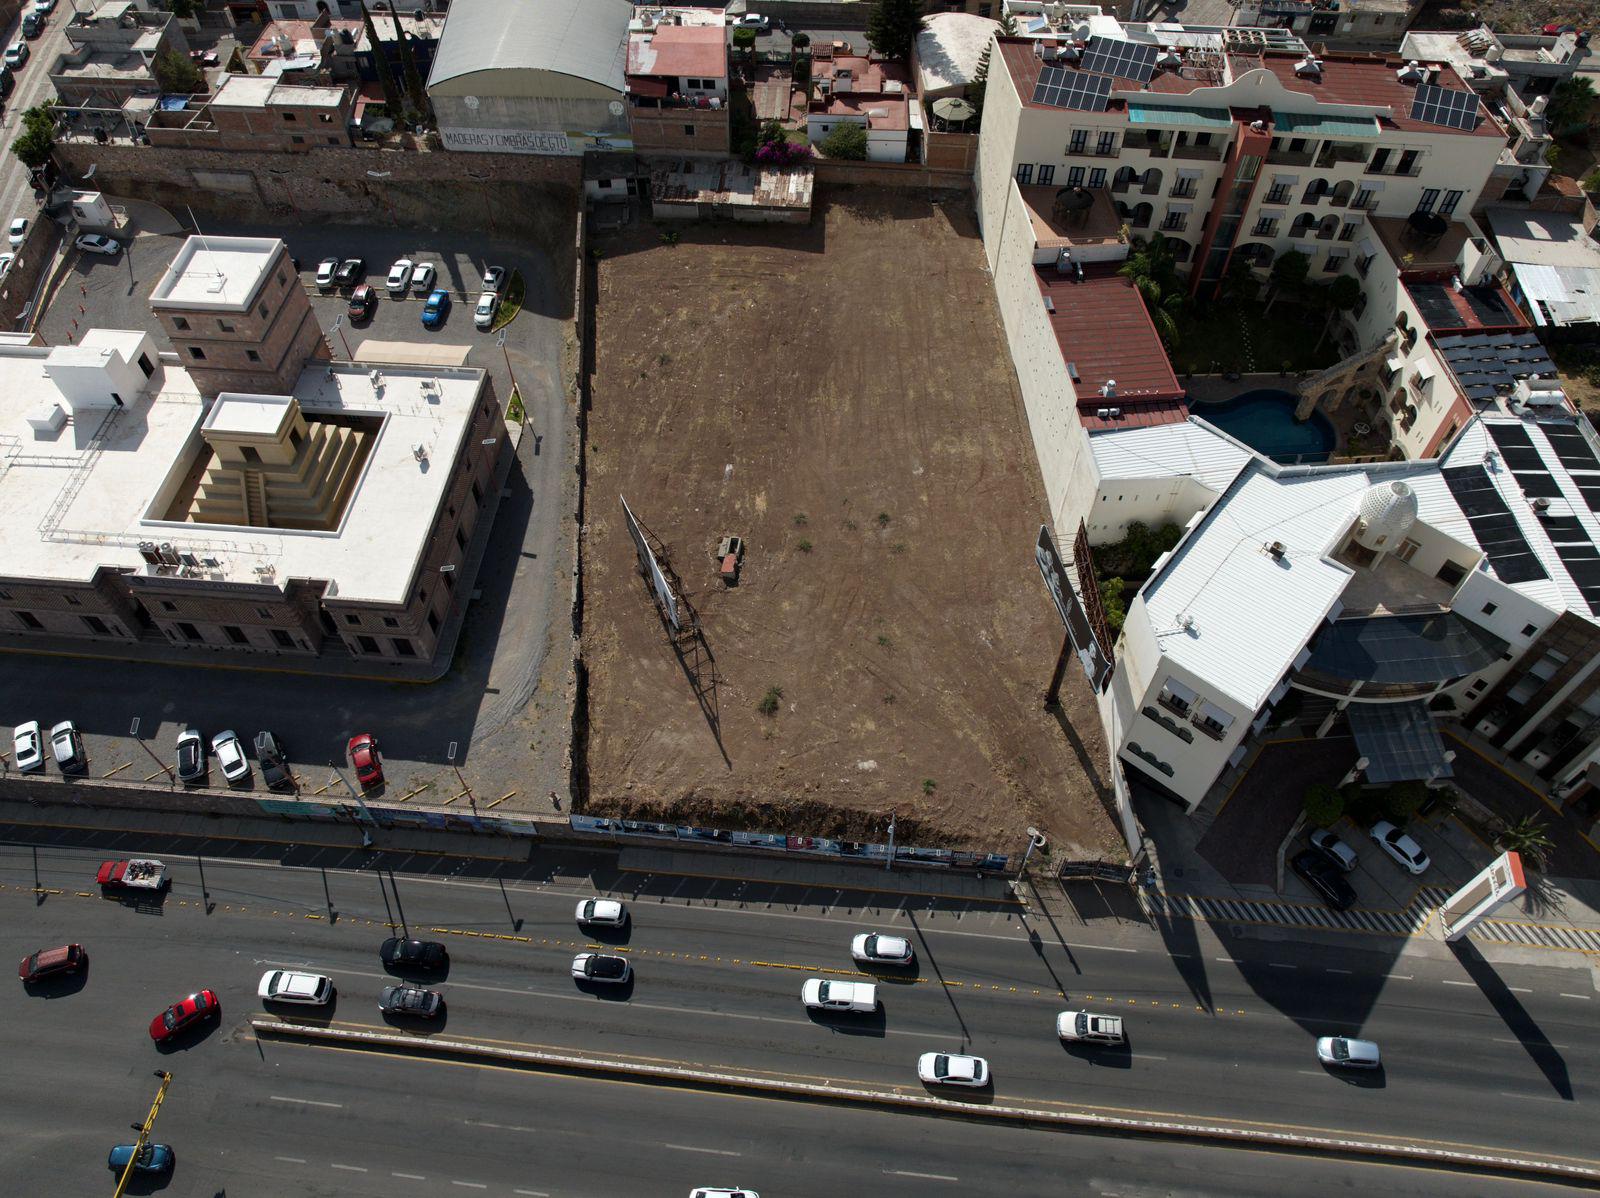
{"x": 652, "y": 570}
{"x": 529, "y": 141}
{"x": 1096, "y": 664}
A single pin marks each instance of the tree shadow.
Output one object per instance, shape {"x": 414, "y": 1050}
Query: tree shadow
{"x": 1517, "y": 1020}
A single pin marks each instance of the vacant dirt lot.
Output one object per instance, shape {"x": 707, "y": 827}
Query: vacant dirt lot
{"x": 841, "y": 397}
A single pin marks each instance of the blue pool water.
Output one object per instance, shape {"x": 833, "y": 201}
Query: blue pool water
{"x": 1264, "y": 420}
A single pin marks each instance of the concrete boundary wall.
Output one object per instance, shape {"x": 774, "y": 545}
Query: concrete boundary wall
{"x": 889, "y": 174}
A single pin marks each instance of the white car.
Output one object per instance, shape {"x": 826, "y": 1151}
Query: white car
{"x": 230, "y": 756}
{"x": 16, "y": 54}
{"x": 1407, "y": 853}
{"x": 99, "y": 243}
{"x": 44, "y": 7}
{"x": 953, "y": 1069}
{"x": 287, "y": 985}
{"x": 18, "y": 233}
{"x": 27, "y": 747}
{"x": 67, "y": 746}
{"x": 1086, "y": 1025}
{"x": 821, "y": 995}
{"x": 601, "y": 913}
{"x": 1334, "y": 849}
{"x": 874, "y": 948}
{"x": 1349, "y": 1053}
{"x": 325, "y": 272}
{"x": 494, "y": 278}
{"x": 400, "y": 275}
{"x": 752, "y": 20}
{"x": 422, "y": 278}
{"x": 720, "y": 1192}
{"x": 6, "y": 262}
{"x": 601, "y": 967}
{"x": 488, "y": 305}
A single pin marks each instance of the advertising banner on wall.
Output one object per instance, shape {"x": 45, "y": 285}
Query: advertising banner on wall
{"x": 652, "y": 570}
{"x": 529, "y": 141}
{"x": 1096, "y": 665}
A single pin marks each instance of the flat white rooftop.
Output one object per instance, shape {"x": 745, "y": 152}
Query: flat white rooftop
{"x": 216, "y": 273}
{"x": 259, "y": 415}
{"x": 83, "y": 498}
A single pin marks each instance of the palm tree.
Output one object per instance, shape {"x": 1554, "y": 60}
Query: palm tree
{"x": 1526, "y": 837}
{"x": 1570, "y": 104}
{"x": 1153, "y": 270}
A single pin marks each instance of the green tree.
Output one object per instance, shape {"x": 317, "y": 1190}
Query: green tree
{"x": 1289, "y": 274}
{"x": 1403, "y": 800}
{"x": 744, "y": 42}
{"x": 1343, "y": 294}
{"x": 1323, "y": 805}
{"x": 1239, "y": 283}
{"x": 893, "y": 26}
{"x": 184, "y": 9}
{"x": 1526, "y": 837}
{"x": 847, "y": 140}
{"x": 1008, "y": 25}
{"x": 1154, "y": 272}
{"x": 391, "y": 93}
{"x": 37, "y": 140}
{"x": 176, "y": 74}
{"x": 1570, "y": 105}
{"x": 1111, "y": 603}
{"x": 799, "y": 51}
{"x": 415, "y": 91}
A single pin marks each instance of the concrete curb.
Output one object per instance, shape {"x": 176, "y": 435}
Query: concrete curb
{"x": 700, "y": 1079}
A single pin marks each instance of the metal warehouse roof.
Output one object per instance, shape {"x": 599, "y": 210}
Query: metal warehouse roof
{"x": 586, "y": 39}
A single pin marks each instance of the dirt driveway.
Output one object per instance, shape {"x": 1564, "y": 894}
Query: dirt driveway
{"x": 841, "y": 397}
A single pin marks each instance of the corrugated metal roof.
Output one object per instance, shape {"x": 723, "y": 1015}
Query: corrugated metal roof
{"x": 1104, "y": 329}
{"x": 1184, "y": 450}
{"x": 1559, "y": 295}
{"x": 1189, "y": 116}
{"x": 586, "y": 39}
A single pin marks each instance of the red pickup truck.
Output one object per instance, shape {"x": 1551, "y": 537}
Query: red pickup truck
{"x": 136, "y": 873}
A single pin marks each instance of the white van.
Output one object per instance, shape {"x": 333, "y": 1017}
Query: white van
{"x": 822, "y": 995}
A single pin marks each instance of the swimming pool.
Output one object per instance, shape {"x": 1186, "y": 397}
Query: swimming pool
{"x": 1264, "y": 420}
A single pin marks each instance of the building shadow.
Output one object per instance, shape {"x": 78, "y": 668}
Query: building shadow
{"x": 1517, "y": 1020}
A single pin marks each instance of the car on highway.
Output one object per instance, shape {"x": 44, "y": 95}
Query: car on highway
{"x": 874, "y": 948}
{"x": 401, "y": 953}
{"x": 720, "y": 1192}
{"x": 27, "y": 747}
{"x": 601, "y": 967}
{"x": 819, "y": 994}
{"x": 365, "y": 759}
{"x": 274, "y": 761}
{"x": 1086, "y": 1026}
{"x": 362, "y": 302}
{"x": 410, "y": 1000}
{"x": 66, "y": 746}
{"x": 1324, "y": 878}
{"x": 350, "y": 270}
{"x": 1335, "y": 849}
{"x": 1348, "y": 1053}
{"x": 400, "y": 275}
{"x": 326, "y": 269}
{"x": 599, "y": 912}
{"x": 152, "y": 1158}
{"x": 436, "y": 308}
{"x": 99, "y": 243}
{"x": 288, "y": 985}
{"x": 191, "y": 756}
{"x": 953, "y": 1069}
{"x": 132, "y": 873}
{"x": 422, "y": 276}
{"x": 185, "y": 1014}
{"x": 16, "y": 54}
{"x": 234, "y": 764}
{"x": 483, "y": 314}
{"x": 494, "y": 278}
{"x": 18, "y": 232}
{"x": 52, "y": 962}
{"x": 1405, "y": 851}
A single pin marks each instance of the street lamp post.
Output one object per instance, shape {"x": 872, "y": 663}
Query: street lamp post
{"x": 889, "y": 864}
{"x": 1036, "y": 840}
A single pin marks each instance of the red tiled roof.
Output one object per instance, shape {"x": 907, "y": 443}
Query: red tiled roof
{"x": 1104, "y": 330}
{"x": 881, "y": 112}
{"x": 1366, "y": 80}
{"x": 679, "y": 51}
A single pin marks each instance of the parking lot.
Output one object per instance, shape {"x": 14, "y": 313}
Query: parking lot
{"x": 500, "y": 715}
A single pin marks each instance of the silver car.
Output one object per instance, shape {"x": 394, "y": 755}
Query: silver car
{"x": 27, "y": 747}
{"x": 1334, "y": 849}
{"x": 1405, "y": 851}
{"x": 607, "y": 913}
{"x": 1348, "y": 1053}
{"x": 230, "y": 756}
{"x": 874, "y": 948}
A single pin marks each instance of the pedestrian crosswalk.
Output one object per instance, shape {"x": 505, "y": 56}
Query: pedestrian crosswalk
{"x": 1374, "y": 921}
{"x": 1537, "y": 935}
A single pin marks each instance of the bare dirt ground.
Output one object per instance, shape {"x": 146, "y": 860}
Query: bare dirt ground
{"x": 841, "y": 396}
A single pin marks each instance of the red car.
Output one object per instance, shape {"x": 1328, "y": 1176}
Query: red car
{"x": 48, "y": 962}
{"x": 181, "y": 1016}
{"x": 363, "y": 750}
{"x": 362, "y": 301}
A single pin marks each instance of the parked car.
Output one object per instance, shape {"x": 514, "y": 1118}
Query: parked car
{"x": 483, "y": 314}
{"x": 1087, "y": 1026}
{"x": 274, "y": 763}
{"x": 435, "y": 309}
{"x": 400, "y": 275}
{"x": 44, "y": 7}
{"x": 952, "y": 1069}
{"x": 32, "y": 24}
{"x": 234, "y": 764}
{"x": 821, "y": 995}
{"x": 99, "y": 243}
{"x": 364, "y": 756}
{"x": 326, "y": 270}
{"x": 494, "y": 278}
{"x": 600, "y": 967}
{"x": 287, "y": 985}
{"x": 1325, "y": 878}
{"x": 410, "y": 1000}
{"x": 755, "y": 21}
{"x": 7, "y": 261}
{"x": 16, "y": 54}
{"x": 185, "y": 1014}
{"x": 52, "y": 962}
{"x": 401, "y": 953}
{"x": 608, "y": 913}
{"x": 1337, "y": 850}
{"x": 191, "y": 755}
{"x": 67, "y": 748}
{"x": 349, "y": 271}
{"x": 422, "y": 276}
{"x": 8, "y": 81}
{"x": 1348, "y": 1053}
{"x": 27, "y": 747}
{"x": 874, "y": 948}
{"x": 1407, "y": 853}
{"x": 152, "y": 1158}
{"x": 362, "y": 301}
{"x": 18, "y": 232}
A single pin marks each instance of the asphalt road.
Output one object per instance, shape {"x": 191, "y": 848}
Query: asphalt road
{"x": 718, "y": 983}
{"x": 33, "y": 87}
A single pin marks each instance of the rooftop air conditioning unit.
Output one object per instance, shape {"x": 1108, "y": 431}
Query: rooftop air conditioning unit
{"x": 1541, "y": 504}
{"x": 1410, "y": 73}
{"x": 1309, "y": 67}
{"x": 1115, "y": 413}
{"x": 1276, "y": 551}
{"x": 1103, "y": 413}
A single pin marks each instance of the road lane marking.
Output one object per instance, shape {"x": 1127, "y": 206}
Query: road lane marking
{"x": 1535, "y": 1097}
{"x": 1345, "y": 971}
{"x": 533, "y": 1193}
{"x": 921, "y": 1176}
{"x": 1146, "y": 1056}
{"x": 307, "y": 1101}
{"x": 1528, "y": 1043}
{"x": 1453, "y": 982}
{"x": 1399, "y": 977}
{"x": 470, "y": 1185}
{"x": 350, "y": 1168}
{"x": 290, "y": 1160}
{"x": 410, "y": 1176}
{"x": 1519, "y": 989}
{"x": 1584, "y": 997}
{"x": 708, "y": 1151}
{"x": 1280, "y": 965}
{"x": 495, "y": 1126}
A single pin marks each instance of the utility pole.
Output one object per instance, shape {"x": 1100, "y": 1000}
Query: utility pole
{"x": 144, "y": 1131}
{"x": 1036, "y": 840}
{"x": 366, "y": 837}
{"x": 889, "y": 864}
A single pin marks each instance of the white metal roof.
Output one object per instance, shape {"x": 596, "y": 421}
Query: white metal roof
{"x": 1192, "y": 449}
{"x": 586, "y": 39}
{"x": 949, "y": 48}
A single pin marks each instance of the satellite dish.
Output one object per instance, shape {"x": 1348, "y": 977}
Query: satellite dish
{"x": 470, "y": 101}
{"x": 616, "y": 108}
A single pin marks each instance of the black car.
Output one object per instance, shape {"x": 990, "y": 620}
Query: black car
{"x": 271, "y": 754}
{"x": 1325, "y": 878}
{"x": 410, "y": 1000}
{"x": 349, "y": 271}
{"x": 414, "y": 954}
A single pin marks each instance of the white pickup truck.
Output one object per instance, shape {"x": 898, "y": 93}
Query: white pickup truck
{"x": 1083, "y": 1025}
{"x": 136, "y": 873}
{"x": 822, "y": 995}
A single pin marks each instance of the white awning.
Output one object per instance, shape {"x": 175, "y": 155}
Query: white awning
{"x": 1281, "y": 180}
{"x": 1370, "y": 185}
{"x": 1180, "y": 208}
{"x": 1424, "y": 368}
{"x": 1395, "y": 363}
{"x": 1186, "y": 173}
{"x": 1368, "y": 250}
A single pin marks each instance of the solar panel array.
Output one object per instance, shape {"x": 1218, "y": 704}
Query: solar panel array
{"x": 1489, "y": 364}
{"x": 1493, "y": 525}
{"x": 1445, "y": 106}
{"x": 1124, "y": 59}
{"x": 1061, "y": 88}
{"x": 1526, "y": 462}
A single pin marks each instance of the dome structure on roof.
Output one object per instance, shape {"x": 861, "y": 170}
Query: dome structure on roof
{"x": 1387, "y": 512}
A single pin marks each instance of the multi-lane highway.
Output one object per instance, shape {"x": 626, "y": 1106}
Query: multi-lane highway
{"x": 718, "y": 985}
